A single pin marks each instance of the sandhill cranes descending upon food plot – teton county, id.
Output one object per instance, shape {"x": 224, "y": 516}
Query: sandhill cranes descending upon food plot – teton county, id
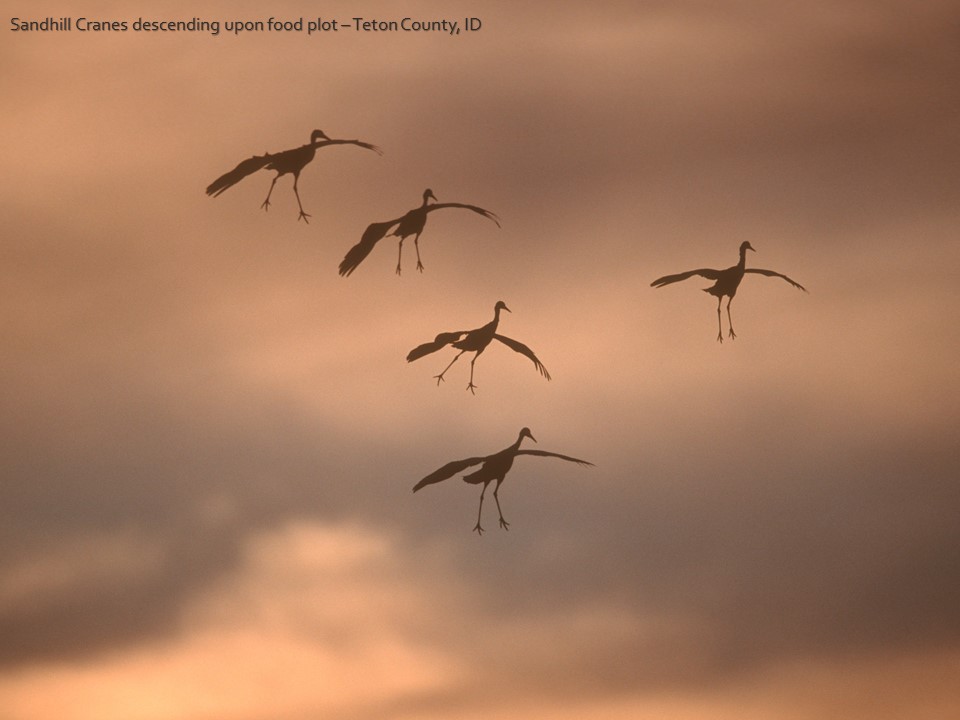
{"x": 411, "y": 223}
{"x": 475, "y": 341}
{"x": 727, "y": 282}
{"x": 288, "y": 161}
{"x": 494, "y": 467}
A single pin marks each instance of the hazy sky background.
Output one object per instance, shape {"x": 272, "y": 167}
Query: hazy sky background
{"x": 209, "y": 438}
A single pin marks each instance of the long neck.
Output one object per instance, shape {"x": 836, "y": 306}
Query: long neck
{"x": 743, "y": 258}
{"x": 426, "y": 199}
{"x": 516, "y": 445}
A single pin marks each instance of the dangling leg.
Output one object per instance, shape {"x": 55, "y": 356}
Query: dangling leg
{"x": 303, "y": 215}
{"x": 470, "y": 385}
{"x": 480, "y": 510}
{"x": 503, "y": 523}
{"x": 440, "y": 376}
{"x": 416, "y": 245}
{"x": 730, "y": 319}
{"x": 266, "y": 203}
{"x": 719, "y": 325}
{"x": 399, "y": 255}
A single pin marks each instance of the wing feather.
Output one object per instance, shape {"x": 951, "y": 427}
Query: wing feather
{"x": 523, "y": 350}
{"x": 438, "y": 343}
{"x": 708, "y": 273}
{"x": 247, "y": 167}
{"x": 545, "y": 453}
{"x": 371, "y": 236}
{"x": 771, "y": 273}
{"x": 474, "y": 208}
{"x": 448, "y": 471}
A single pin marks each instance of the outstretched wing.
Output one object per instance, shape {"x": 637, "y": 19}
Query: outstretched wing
{"x": 544, "y": 453}
{"x": 708, "y": 273}
{"x": 474, "y": 208}
{"x": 439, "y": 342}
{"x": 448, "y": 471}
{"x": 523, "y": 350}
{"x": 371, "y": 236}
{"x": 359, "y": 143}
{"x": 771, "y": 273}
{"x": 247, "y": 167}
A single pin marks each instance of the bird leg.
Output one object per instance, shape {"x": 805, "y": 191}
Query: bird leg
{"x": 719, "y": 325}
{"x": 303, "y": 215}
{"x": 730, "y": 319}
{"x": 416, "y": 246}
{"x": 480, "y": 510}
{"x": 266, "y": 203}
{"x": 470, "y": 385}
{"x": 503, "y": 523}
{"x": 440, "y": 376}
{"x": 399, "y": 255}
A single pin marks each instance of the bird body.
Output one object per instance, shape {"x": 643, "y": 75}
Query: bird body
{"x": 492, "y": 468}
{"x": 726, "y": 283}
{"x": 286, "y": 162}
{"x": 411, "y": 223}
{"x": 475, "y": 341}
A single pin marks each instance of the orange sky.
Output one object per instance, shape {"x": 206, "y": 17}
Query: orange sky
{"x": 210, "y": 437}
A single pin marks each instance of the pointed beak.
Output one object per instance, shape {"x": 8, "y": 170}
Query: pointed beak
{"x": 532, "y": 437}
{"x": 507, "y": 309}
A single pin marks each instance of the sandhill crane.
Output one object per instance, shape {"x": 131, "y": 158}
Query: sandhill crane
{"x": 494, "y": 467}
{"x": 287, "y": 161}
{"x": 409, "y": 224}
{"x": 727, "y": 282}
{"x": 475, "y": 341}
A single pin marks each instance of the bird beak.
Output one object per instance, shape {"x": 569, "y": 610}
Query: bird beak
{"x": 532, "y": 437}
{"x": 510, "y": 311}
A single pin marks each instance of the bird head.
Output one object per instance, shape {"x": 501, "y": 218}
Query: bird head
{"x": 501, "y": 305}
{"x": 318, "y": 135}
{"x": 745, "y": 245}
{"x": 428, "y": 193}
{"x": 526, "y": 433}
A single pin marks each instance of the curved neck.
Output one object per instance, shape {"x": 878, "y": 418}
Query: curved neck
{"x": 743, "y": 258}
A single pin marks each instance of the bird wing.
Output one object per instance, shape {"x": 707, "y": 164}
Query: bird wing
{"x": 448, "y": 471}
{"x": 358, "y": 143}
{"x": 474, "y": 208}
{"x": 439, "y": 342}
{"x": 544, "y": 453}
{"x": 523, "y": 350}
{"x": 771, "y": 273}
{"x": 371, "y": 236}
{"x": 708, "y": 273}
{"x": 247, "y": 167}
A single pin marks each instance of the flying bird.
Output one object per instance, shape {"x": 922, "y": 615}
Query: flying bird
{"x": 475, "y": 341}
{"x": 493, "y": 467}
{"x": 727, "y": 282}
{"x": 409, "y": 224}
{"x": 288, "y": 161}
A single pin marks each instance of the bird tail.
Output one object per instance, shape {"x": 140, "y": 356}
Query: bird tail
{"x": 247, "y": 167}
{"x": 371, "y": 236}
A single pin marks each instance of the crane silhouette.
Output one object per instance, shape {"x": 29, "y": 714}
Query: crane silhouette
{"x": 288, "y": 161}
{"x": 727, "y": 282}
{"x": 411, "y": 223}
{"x": 494, "y": 467}
{"x": 475, "y": 341}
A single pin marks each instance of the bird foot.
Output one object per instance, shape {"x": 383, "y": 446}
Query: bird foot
{"x": 504, "y": 524}
{"x": 733, "y": 335}
{"x": 398, "y": 268}
{"x": 419, "y": 266}
{"x": 471, "y": 387}
{"x": 720, "y": 337}
{"x": 478, "y": 529}
{"x": 439, "y": 379}
{"x": 265, "y": 205}
{"x": 304, "y": 216}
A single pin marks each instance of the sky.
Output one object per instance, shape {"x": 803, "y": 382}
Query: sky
{"x": 209, "y": 437}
